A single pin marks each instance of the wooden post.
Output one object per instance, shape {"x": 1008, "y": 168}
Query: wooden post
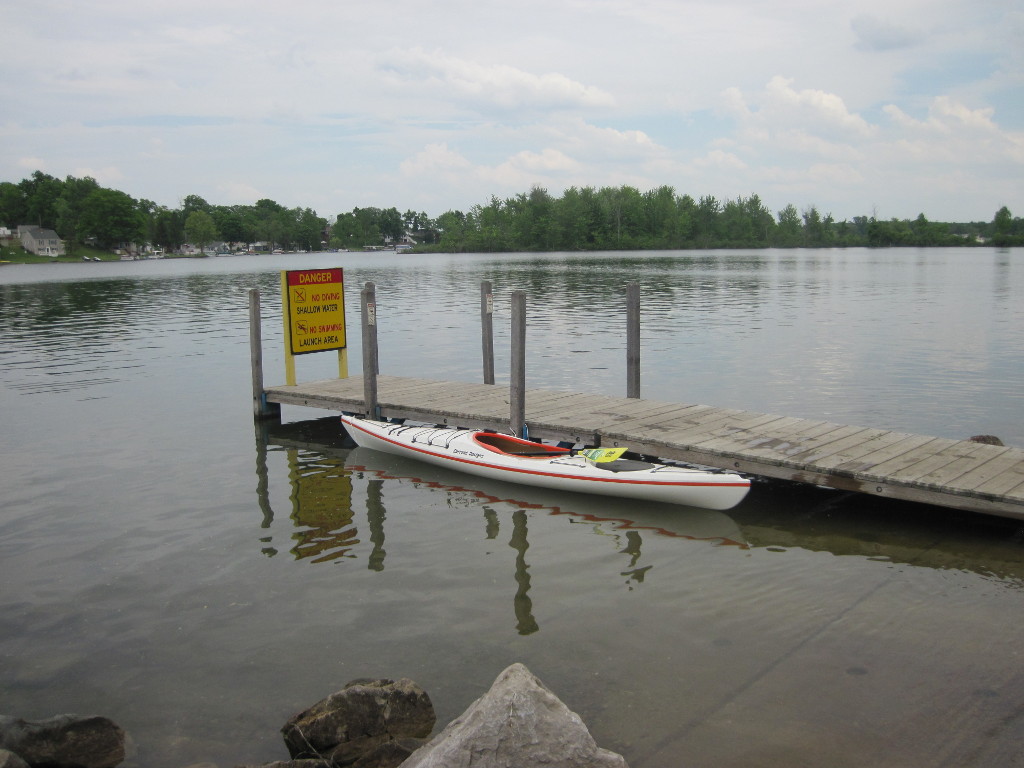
{"x": 261, "y": 409}
{"x": 370, "y": 358}
{"x": 487, "y": 329}
{"x": 633, "y": 340}
{"x": 517, "y": 391}
{"x": 289, "y": 358}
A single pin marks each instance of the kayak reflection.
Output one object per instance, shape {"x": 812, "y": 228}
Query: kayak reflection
{"x": 614, "y": 518}
{"x": 605, "y": 516}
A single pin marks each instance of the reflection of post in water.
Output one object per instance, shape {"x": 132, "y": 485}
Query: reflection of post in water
{"x": 632, "y": 548}
{"x": 322, "y": 505}
{"x": 375, "y": 514}
{"x": 263, "y": 485}
{"x": 262, "y": 476}
{"x": 525, "y": 622}
{"x": 492, "y": 522}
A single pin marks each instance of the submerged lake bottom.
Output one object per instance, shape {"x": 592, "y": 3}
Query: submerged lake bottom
{"x": 199, "y": 580}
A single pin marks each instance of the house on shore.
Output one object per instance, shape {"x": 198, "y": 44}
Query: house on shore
{"x": 41, "y": 242}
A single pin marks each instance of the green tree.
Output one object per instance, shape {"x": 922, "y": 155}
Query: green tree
{"x": 577, "y": 220}
{"x": 887, "y": 234}
{"x": 927, "y": 233}
{"x": 41, "y": 193}
{"x": 789, "y": 233}
{"x": 707, "y": 225}
{"x": 817, "y": 231}
{"x": 230, "y": 222}
{"x": 1003, "y": 229}
{"x": 200, "y": 229}
{"x": 110, "y": 218}
{"x": 391, "y": 225}
{"x": 168, "y": 229}
{"x": 13, "y": 210}
{"x": 489, "y": 227}
{"x": 309, "y": 229}
{"x": 452, "y": 227}
{"x": 736, "y": 226}
{"x": 70, "y": 206}
{"x": 193, "y": 203}
{"x": 622, "y": 210}
{"x": 661, "y": 218}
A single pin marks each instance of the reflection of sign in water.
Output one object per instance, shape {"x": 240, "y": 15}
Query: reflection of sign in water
{"x": 321, "y": 508}
{"x": 315, "y": 307}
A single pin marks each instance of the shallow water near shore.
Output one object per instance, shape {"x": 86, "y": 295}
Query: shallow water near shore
{"x": 199, "y": 581}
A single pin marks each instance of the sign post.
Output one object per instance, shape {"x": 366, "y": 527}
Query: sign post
{"x": 313, "y": 302}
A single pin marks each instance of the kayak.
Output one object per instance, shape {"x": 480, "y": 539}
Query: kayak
{"x": 503, "y": 457}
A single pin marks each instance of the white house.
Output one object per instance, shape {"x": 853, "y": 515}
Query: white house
{"x": 41, "y": 242}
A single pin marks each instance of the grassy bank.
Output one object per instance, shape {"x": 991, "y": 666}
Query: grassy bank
{"x": 18, "y": 255}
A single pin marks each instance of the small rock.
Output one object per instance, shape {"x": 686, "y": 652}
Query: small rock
{"x": 64, "y": 741}
{"x": 518, "y": 722}
{"x": 361, "y": 717}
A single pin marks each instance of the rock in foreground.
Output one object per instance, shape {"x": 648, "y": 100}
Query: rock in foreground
{"x": 518, "y": 723}
{"x": 64, "y": 741}
{"x": 360, "y": 719}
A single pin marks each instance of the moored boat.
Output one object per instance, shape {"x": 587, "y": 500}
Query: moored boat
{"x": 503, "y": 457}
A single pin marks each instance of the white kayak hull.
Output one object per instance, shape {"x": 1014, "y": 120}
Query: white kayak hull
{"x": 469, "y": 451}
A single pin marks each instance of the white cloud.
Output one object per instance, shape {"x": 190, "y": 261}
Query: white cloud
{"x": 109, "y": 176}
{"x": 956, "y": 136}
{"x": 843, "y": 104}
{"x": 875, "y": 34}
{"x": 239, "y": 193}
{"x": 435, "y": 159}
{"x": 720, "y": 159}
{"x": 781, "y": 104}
{"x": 500, "y": 85}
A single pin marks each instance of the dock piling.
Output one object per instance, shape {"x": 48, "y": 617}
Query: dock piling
{"x": 487, "y": 329}
{"x": 370, "y": 357}
{"x": 517, "y": 389}
{"x": 260, "y": 407}
{"x": 633, "y": 340}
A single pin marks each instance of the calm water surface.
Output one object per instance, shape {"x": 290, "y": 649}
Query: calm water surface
{"x": 199, "y": 581}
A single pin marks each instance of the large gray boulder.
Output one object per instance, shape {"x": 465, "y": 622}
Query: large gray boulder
{"x": 360, "y": 719}
{"x": 518, "y": 723}
{"x": 64, "y": 741}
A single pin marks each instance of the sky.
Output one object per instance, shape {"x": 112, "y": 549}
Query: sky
{"x": 863, "y": 108}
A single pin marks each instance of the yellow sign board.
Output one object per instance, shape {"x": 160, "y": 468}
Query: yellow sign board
{"x": 315, "y": 309}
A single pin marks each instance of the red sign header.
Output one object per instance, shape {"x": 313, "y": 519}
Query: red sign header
{"x": 314, "y": 276}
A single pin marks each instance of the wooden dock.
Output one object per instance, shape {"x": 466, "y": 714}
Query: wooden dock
{"x": 951, "y": 473}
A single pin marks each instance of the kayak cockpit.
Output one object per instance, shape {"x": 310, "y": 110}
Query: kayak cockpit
{"x": 514, "y": 446}
{"x": 524, "y": 449}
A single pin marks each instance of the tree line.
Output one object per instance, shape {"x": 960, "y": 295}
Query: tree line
{"x": 614, "y": 218}
{"x": 81, "y": 211}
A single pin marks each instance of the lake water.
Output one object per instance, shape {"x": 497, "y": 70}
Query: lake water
{"x": 199, "y": 581}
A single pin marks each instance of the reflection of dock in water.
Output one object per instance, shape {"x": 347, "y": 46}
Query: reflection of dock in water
{"x": 790, "y": 517}
{"x": 321, "y": 492}
{"x": 328, "y": 480}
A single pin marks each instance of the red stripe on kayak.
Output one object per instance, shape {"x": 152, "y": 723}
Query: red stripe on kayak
{"x": 624, "y": 481}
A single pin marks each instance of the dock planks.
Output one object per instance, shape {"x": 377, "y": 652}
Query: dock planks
{"x": 951, "y": 473}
